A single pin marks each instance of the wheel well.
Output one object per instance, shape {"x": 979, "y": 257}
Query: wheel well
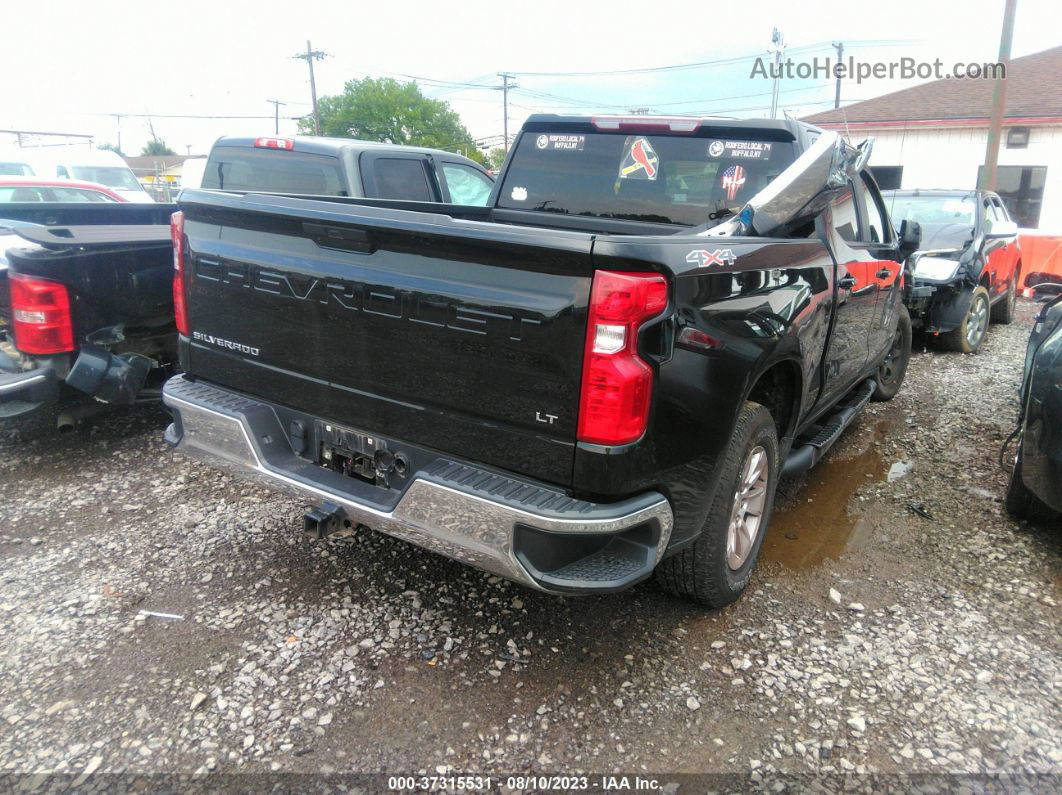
{"x": 778, "y": 390}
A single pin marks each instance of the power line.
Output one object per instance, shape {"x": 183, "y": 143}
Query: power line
{"x": 715, "y": 62}
{"x": 669, "y": 68}
{"x": 183, "y": 116}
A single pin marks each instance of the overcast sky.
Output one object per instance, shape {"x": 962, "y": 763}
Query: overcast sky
{"x": 64, "y": 66}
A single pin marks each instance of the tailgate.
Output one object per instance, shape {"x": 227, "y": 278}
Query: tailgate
{"x": 466, "y": 337}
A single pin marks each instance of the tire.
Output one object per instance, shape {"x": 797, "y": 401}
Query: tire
{"x": 893, "y": 368}
{"x": 1003, "y": 311}
{"x": 1022, "y": 503}
{"x": 971, "y": 333}
{"x": 704, "y": 572}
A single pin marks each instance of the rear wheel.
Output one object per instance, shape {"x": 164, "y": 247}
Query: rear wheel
{"x": 970, "y": 334}
{"x": 1003, "y": 311}
{"x": 893, "y": 367}
{"x": 715, "y": 569}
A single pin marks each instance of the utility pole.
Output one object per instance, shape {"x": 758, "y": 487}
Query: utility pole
{"x": 778, "y": 40}
{"x": 505, "y": 87}
{"x": 310, "y": 56}
{"x": 839, "y": 46}
{"x": 118, "y": 122}
{"x": 999, "y": 100}
{"x": 276, "y": 112}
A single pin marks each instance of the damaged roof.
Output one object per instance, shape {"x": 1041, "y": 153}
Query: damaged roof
{"x": 1034, "y": 91}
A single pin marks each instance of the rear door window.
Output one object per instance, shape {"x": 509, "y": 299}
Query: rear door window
{"x": 22, "y": 193}
{"x": 252, "y": 170}
{"x": 402, "y": 178}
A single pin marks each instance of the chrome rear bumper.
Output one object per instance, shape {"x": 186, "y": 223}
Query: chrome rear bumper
{"x": 520, "y": 530}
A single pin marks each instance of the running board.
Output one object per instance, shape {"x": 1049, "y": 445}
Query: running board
{"x": 803, "y": 457}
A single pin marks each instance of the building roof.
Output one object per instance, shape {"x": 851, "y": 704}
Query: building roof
{"x": 1034, "y": 93}
{"x": 143, "y": 164}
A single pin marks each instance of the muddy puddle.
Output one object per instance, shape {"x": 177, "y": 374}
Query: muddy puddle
{"x": 814, "y": 523}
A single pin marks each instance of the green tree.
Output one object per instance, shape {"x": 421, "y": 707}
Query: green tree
{"x": 105, "y": 147}
{"x": 156, "y": 146}
{"x": 495, "y": 158}
{"x": 392, "y": 112}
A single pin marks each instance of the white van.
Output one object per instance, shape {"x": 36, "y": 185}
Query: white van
{"x": 192, "y": 171}
{"x": 92, "y": 165}
{"x": 15, "y": 163}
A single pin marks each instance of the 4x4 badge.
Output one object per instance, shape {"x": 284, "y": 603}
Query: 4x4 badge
{"x": 703, "y": 258}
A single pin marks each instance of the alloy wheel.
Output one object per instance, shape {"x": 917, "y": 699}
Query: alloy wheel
{"x": 887, "y": 369}
{"x": 977, "y": 321}
{"x": 750, "y": 501}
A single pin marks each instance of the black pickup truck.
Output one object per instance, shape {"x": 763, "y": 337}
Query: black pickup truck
{"x": 602, "y": 373}
{"x": 91, "y": 323}
{"x": 87, "y": 310}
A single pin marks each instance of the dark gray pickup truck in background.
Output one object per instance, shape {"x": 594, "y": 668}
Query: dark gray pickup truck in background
{"x": 345, "y": 167}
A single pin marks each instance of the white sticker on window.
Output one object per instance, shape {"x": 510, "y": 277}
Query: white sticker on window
{"x": 519, "y": 194}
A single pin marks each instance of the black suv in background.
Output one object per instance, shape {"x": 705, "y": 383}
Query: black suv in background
{"x": 967, "y": 270}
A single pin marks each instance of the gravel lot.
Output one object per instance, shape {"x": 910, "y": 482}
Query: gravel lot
{"x": 894, "y": 626}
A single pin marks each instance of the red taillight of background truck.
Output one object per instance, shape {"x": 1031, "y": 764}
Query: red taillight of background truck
{"x": 40, "y": 314}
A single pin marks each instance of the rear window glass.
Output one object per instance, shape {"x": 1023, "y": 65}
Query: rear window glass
{"x": 659, "y": 178}
{"x": 273, "y": 171}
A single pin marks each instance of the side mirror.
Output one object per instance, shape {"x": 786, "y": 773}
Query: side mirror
{"x": 1002, "y": 229}
{"x": 1045, "y": 291}
{"x": 910, "y": 237}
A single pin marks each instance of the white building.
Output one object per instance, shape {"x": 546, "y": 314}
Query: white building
{"x": 934, "y": 136}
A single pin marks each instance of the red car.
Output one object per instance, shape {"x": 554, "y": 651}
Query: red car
{"x": 37, "y": 189}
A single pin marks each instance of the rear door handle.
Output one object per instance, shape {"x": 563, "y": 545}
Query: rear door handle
{"x": 846, "y": 282}
{"x": 884, "y": 273}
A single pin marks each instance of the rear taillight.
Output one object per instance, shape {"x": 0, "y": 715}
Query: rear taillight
{"x": 617, "y": 383}
{"x": 275, "y": 143}
{"x": 40, "y": 314}
{"x": 180, "y": 302}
